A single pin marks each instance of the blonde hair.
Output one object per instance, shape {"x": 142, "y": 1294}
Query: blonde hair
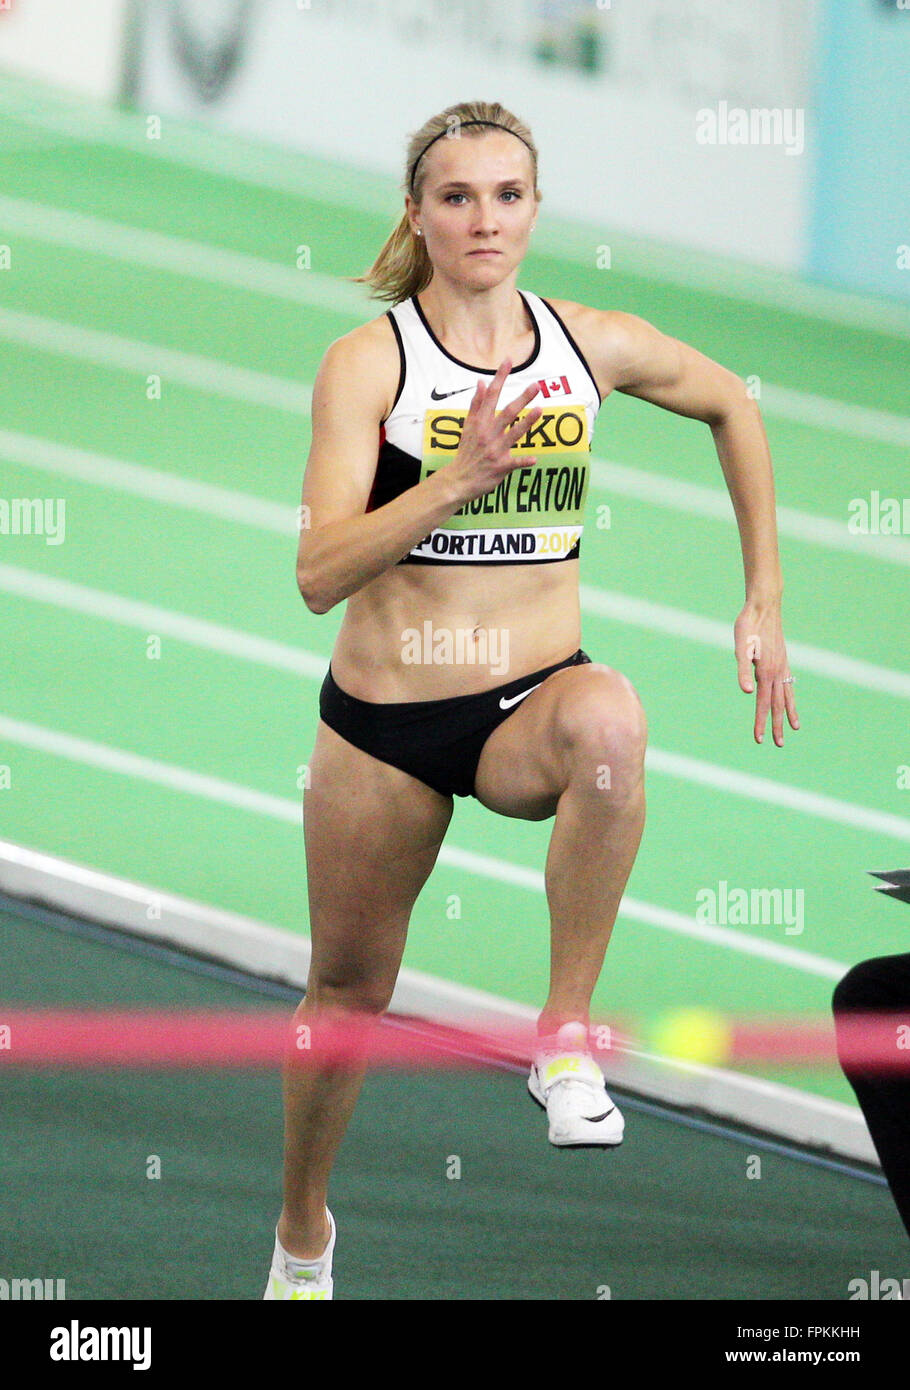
{"x": 403, "y": 267}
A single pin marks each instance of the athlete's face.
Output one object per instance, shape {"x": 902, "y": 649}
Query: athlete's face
{"x": 477, "y": 206}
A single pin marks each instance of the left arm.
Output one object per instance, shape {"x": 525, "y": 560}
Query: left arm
{"x": 632, "y": 356}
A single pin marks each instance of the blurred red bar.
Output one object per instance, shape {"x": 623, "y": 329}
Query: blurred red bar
{"x": 177, "y": 1038}
{"x": 99, "y": 1038}
{"x": 877, "y": 1042}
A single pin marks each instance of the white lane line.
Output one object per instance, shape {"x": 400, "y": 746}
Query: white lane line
{"x": 485, "y": 866}
{"x": 141, "y": 480}
{"x": 101, "y": 755}
{"x": 147, "y": 618}
{"x": 677, "y": 623}
{"x": 722, "y": 277}
{"x": 131, "y": 354}
{"x": 260, "y": 165}
{"x": 616, "y": 479}
{"x": 840, "y": 417}
{"x": 605, "y": 603}
{"x": 289, "y": 811}
{"x": 754, "y": 788}
{"x": 694, "y": 499}
{"x": 183, "y": 256}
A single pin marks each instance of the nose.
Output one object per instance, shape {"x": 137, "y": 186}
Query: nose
{"x": 484, "y": 220}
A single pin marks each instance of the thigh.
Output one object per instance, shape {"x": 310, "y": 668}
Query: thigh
{"x": 372, "y": 834}
{"x": 527, "y": 761}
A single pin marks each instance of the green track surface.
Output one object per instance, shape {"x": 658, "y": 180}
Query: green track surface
{"x": 523, "y": 1220}
{"x": 252, "y": 725}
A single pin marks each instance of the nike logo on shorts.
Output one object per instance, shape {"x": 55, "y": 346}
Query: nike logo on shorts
{"x": 507, "y": 704}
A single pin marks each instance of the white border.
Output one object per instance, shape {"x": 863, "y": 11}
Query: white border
{"x": 232, "y": 939}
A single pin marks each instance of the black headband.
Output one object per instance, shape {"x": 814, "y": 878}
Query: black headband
{"x": 448, "y": 131}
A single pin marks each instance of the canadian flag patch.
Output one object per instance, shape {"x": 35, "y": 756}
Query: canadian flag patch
{"x": 554, "y": 386}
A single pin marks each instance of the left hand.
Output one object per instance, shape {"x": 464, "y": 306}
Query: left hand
{"x": 759, "y": 640}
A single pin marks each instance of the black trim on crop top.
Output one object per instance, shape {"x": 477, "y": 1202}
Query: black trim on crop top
{"x": 581, "y": 357}
{"x": 402, "y": 366}
{"x": 487, "y": 371}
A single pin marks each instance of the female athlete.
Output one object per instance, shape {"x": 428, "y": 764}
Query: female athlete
{"x": 445, "y": 491}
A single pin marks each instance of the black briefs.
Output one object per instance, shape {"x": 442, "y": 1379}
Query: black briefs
{"x": 437, "y": 741}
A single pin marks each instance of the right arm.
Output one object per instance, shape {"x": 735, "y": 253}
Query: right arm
{"x": 342, "y": 546}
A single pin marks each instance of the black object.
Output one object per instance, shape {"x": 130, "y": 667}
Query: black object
{"x": 896, "y": 884}
{"x": 882, "y": 985}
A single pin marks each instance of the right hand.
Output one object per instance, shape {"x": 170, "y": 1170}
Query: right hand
{"x": 484, "y": 456}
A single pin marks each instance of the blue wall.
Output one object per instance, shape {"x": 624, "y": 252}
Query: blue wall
{"x": 860, "y": 208}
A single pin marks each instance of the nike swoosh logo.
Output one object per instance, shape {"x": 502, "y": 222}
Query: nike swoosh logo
{"x": 594, "y": 1118}
{"x": 507, "y": 704}
{"x": 441, "y": 395}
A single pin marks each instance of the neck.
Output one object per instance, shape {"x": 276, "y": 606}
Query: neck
{"x": 483, "y": 322}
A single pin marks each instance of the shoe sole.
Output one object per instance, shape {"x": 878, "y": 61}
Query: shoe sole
{"x": 577, "y": 1143}
{"x": 269, "y": 1297}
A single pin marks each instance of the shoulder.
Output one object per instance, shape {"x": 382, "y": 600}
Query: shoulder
{"x": 606, "y": 337}
{"x": 367, "y": 356}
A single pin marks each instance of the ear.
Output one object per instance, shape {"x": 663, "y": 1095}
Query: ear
{"x": 410, "y": 208}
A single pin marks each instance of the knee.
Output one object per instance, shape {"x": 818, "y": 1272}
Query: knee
{"x": 603, "y": 727}
{"x": 349, "y": 992}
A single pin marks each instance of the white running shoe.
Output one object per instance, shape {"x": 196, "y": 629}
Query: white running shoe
{"x": 567, "y": 1082}
{"x": 312, "y": 1279}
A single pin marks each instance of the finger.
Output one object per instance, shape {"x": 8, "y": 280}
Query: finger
{"x": 496, "y": 385}
{"x": 790, "y": 702}
{"x": 527, "y": 394}
{"x": 762, "y": 707}
{"x": 510, "y": 413}
{"x": 522, "y": 426}
{"x": 748, "y": 650}
{"x": 477, "y": 399}
{"x": 777, "y": 712}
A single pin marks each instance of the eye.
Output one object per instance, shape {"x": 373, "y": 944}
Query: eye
{"x": 511, "y": 193}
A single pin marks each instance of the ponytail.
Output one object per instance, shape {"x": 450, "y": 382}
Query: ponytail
{"x": 402, "y": 267}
